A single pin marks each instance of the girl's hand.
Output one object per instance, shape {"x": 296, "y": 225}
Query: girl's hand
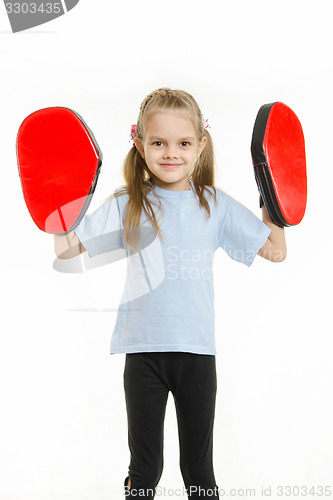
{"x": 275, "y": 248}
{"x": 67, "y": 246}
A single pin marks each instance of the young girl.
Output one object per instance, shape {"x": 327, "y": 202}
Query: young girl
{"x": 165, "y": 323}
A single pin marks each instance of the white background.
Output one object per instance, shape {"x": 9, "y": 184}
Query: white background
{"x": 63, "y": 427}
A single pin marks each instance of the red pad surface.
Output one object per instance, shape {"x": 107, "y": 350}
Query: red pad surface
{"x": 59, "y": 161}
{"x": 278, "y": 154}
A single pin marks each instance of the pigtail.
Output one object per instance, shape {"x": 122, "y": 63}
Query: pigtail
{"x": 138, "y": 183}
{"x": 203, "y": 174}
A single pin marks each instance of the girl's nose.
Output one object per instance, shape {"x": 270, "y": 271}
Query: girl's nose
{"x": 170, "y": 152}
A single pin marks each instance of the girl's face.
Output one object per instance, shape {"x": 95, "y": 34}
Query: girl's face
{"x": 170, "y": 148}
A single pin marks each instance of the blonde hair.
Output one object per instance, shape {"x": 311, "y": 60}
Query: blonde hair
{"x": 138, "y": 178}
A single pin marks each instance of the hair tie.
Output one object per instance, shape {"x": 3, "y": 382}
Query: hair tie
{"x": 205, "y": 123}
{"x": 133, "y": 133}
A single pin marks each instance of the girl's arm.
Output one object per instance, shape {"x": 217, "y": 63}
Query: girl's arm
{"x": 275, "y": 248}
{"x": 67, "y": 246}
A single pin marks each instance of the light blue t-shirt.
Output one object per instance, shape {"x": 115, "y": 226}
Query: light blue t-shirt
{"x": 168, "y": 298}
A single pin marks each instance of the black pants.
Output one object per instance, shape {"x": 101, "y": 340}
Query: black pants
{"x": 148, "y": 378}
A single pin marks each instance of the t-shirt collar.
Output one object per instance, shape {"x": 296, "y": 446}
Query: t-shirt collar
{"x": 166, "y": 193}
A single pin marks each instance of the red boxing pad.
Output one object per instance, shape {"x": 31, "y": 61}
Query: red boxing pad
{"x": 278, "y": 155}
{"x": 59, "y": 162}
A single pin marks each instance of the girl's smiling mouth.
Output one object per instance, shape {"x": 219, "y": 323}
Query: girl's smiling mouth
{"x": 171, "y": 165}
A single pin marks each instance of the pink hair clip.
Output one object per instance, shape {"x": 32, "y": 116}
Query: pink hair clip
{"x": 133, "y": 133}
{"x": 205, "y": 123}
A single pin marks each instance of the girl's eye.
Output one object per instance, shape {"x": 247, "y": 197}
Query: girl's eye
{"x": 160, "y": 143}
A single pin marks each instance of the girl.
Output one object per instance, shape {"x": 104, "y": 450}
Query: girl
{"x": 165, "y": 322}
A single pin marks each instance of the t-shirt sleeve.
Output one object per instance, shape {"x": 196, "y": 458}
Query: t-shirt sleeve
{"x": 241, "y": 233}
{"x": 101, "y": 231}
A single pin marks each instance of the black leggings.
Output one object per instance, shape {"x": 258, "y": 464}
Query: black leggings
{"x": 148, "y": 378}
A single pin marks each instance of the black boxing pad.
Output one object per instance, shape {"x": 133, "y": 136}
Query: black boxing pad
{"x": 279, "y": 162}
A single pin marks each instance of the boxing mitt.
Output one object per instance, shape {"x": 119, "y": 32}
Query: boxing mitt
{"x": 59, "y": 162}
{"x": 279, "y": 162}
